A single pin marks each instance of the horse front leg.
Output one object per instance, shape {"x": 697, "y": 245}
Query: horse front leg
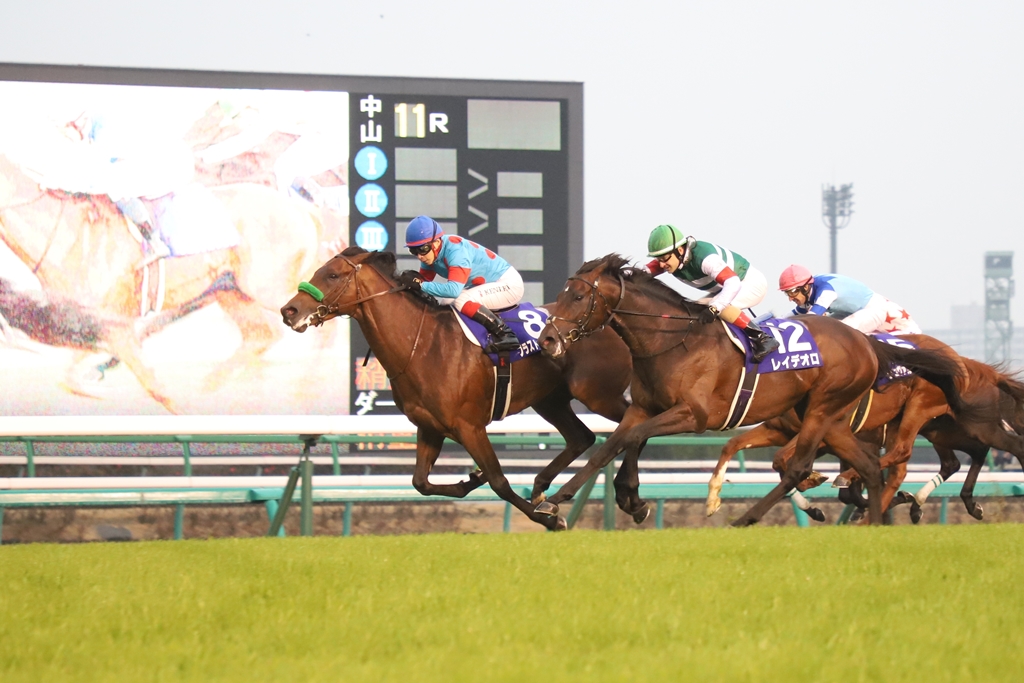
{"x": 759, "y": 437}
{"x": 681, "y": 418}
{"x": 557, "y": 410}
{"x": 474, "y": 439}
{"x": 428, "y": 448}
{"x": 604, "y": 455}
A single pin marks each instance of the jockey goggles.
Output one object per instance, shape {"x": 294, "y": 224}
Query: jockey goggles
{"x": 421, "y": 250}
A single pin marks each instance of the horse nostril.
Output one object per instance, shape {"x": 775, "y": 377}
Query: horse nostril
{"x": 288, "y": 311}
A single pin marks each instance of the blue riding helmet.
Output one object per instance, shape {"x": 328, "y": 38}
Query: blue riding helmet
{"x": 421, "y": 230}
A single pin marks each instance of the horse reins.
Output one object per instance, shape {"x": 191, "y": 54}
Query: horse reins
{"x": 319, "y": 316}
{"x": 580, "y": 330}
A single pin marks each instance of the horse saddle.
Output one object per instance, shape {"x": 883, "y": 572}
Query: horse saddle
{"x": 526, "y": 320}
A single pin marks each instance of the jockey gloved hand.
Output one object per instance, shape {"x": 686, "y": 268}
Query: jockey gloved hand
{"x": 708, "y": 315}
{"x": 411, "y": 280}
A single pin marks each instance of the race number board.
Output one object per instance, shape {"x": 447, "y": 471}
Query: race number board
{"x": 498, "y": 165}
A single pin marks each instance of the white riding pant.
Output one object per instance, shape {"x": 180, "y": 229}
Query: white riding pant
{"x": 505, "y": 292}
{"x": 752, "y": 291}
{"x": 882, "y": 315}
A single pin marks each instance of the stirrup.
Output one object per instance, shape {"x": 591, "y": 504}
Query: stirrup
{"x": 765, "y": 349}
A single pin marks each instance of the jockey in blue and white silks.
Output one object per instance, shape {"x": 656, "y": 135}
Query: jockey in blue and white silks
{"x": 846, "y": 299}
{"x": 478, "y": 280}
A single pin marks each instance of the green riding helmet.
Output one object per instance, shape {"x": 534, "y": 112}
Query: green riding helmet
{"x": 666, "y": 238}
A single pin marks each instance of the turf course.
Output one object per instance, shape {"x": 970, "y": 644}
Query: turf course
{"x": 827, "y": 604}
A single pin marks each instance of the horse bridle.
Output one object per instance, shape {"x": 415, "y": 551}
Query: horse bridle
{"x": 325, "y": 309}
{"x": 579, "y": 331}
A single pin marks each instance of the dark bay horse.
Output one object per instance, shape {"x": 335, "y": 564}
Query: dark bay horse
{"x": 685, "y": 376}
{"x": 444, "y": 383}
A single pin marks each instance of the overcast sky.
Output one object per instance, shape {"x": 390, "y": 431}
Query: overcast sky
{"x": 723, "y": 118}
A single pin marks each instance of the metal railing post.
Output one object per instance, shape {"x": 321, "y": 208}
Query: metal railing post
{"x": 335, "y": 466}
{"x": 306, "y": 524}
{"x": 659, "y": 514}
{"x": 186, "y": 451}
{"x": 30, "y": 458}
{"x": 802, "y": 520}
{"x": 943, "y": 510}
{"x": 609, "y": 496}
{"x": 286, "y": 499}
{"x": 742, "y": 460}
{"x": 179, "y": 522}
{"x": 580, "y": 500}
{"x": 272, "y": 508}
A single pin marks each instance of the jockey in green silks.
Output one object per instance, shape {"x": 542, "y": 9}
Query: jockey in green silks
{"x": 734, "y": 286}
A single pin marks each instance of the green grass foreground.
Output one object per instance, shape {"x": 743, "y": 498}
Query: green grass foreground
{"x": 827, "y": 604}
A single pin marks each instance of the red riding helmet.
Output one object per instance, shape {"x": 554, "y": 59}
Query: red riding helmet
{"x": 793, "y": 277}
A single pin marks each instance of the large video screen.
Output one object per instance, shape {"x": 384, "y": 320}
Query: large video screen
{"x": 153, "y": 223}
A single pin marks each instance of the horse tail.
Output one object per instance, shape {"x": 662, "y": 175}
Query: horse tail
{"x": 933, "y": 365}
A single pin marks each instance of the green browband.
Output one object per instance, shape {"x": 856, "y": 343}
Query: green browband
{"x": 311, "y": 290}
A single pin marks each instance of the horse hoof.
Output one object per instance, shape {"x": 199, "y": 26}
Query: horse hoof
{"x": 546, "y": 508}
{"x": 977, "y": 512}
{"x": 856, "y": 515}
{"x": 559, "y": 524}
{"x": 815, "y": 514}
{"x": 901, "y": 498}
{"x": 713, "y": 506}
{"x": 539, "y": 498}
{"x": 915, "y": 512}
{"x": 640, "y": 516}
{"x": 841, "y": 482}
{"x": 816, "y": 479}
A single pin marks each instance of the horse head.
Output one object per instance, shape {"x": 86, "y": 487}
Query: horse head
{"x": 585, "y": 305}
{"x": 339, "y": 286}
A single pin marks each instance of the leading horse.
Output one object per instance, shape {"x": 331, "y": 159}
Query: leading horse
{"x": 444, "y": 383}
{"x": 685, "y": 377}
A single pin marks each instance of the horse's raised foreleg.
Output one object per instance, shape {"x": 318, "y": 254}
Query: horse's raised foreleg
{"x": 759, "y": 437}
{"x": 604, "y": 455}
{"x": 474, "y": 439}
{"x": 428, "y": 448}
{"x": 556, "y": 409}
{"x": 681, "y": 418}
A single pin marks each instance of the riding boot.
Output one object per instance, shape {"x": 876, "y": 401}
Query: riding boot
{"x": 502, "y": 338}
{"x": 761, "y": 343}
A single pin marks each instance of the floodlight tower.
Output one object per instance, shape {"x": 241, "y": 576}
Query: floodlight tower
{"x": 836, "y": 209}
{"x": 999, "y": 288}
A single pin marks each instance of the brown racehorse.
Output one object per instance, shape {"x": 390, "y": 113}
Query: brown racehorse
{"x": 993, "y": 415}
{"x": 914, "y": 400}
{"x": 444, "y": 383}
{"x": 79, "y": 247}
{"x": 685, "y": 376}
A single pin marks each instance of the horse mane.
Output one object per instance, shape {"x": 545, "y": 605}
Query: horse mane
{"x": 647, "y": 283}
{"x": 386, "y": 262}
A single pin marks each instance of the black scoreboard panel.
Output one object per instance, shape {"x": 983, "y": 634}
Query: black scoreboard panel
{"x": 498, "y": 162}
{"x": 489, "y": 169}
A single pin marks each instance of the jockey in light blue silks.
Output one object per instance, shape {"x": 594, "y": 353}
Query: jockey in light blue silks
{"x": 846, "y": 299}
{"x": 478, "y": 280}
